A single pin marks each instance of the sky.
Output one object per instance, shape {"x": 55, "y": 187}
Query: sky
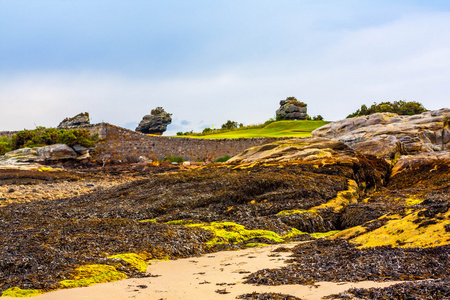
{"x": 207, "y": 62}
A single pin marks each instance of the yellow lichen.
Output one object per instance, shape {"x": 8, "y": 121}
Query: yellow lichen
{"x": 403, "y": 232}
{"x": 413, "y": 201}
{"x": 20, "y": 293}
{"x": 148, "y": 221}
{"x": 138, "y": 261}
{"x": 179, "y": 222}
{"x": 92, "y": 274}
{"x": 342, "y": 199}
{"x": 350, "y": 232}
{"x": 319, "y": 235}
{"x": 295, "y": 211}
{"x": 252, "y": 245}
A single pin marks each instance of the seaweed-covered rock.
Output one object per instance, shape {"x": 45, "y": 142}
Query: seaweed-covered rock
{"x": 81, "y": 119}
{"x": 385, "y": 134}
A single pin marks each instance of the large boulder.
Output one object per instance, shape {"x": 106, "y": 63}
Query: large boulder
{"x": 39, "y": 154}
{"x": 81, "y": 119}
{"x": 291, "y": 109}
{"x": 388, "y": 134}
{"x": 154, "y": 123}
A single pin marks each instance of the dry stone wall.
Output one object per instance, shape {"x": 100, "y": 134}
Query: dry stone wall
{"x": 123, "y": 145}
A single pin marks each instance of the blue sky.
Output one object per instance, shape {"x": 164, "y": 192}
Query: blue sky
{"x": 210, "y": 61}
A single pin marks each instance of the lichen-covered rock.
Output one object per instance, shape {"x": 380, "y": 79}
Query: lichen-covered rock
{"x": 81, "y": 119}
{"x": 154, "y": 123}
{"x": 291, "y": 110}
{"x": 387, "y": 134}
{"x": 39, "y": 154}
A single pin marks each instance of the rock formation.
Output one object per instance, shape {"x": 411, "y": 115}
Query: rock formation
{"x": 81, "y": 119}
{"x": 388, "y": 134}
{"x": 39, "y": 154}
{"x": 291, "y": 109}
{"x": 155, "y": 123}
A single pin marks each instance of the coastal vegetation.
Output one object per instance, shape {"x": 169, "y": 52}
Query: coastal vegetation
{"x": 271, "y": 128}
{"x": 400, "y": 107}
{"x": 42, "y": 136}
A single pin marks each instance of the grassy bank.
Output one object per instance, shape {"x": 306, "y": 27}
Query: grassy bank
{"x": 275, "y": 129}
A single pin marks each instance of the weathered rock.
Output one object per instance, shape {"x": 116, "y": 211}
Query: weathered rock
{"x": 311, "y": 150}
{"x": 81, "y": 119}
{"x": 39, "y": 154}
{"x": 80, "y": 149}
{"x": 290, "y": 110}
{"x": 409, "y": 163}
{"x": 154, "y": 124}
{"x": 386, "y": 134}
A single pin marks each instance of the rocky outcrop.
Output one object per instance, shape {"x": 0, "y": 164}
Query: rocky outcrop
{"x": 387, "y": 134}
{"x": 155, "y": 124}
{"x": 291, "y": 110}
{"x": 81, "y": 119}
{"x": 39, "y": 154}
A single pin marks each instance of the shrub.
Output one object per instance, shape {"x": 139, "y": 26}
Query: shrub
{"x": 172, "y": 159}
{"x": 5, "y": 145}
{"x": 318, "y": 118}
{"x": 400, "y": 107}
{"x": 223, "y": 159}
{"x": 42, "y": 136}
{"x": 294, "y": 101}
{"x": 230, "y": 125}
{"x": 159, "y": 110}
{"x": 206, "y": 130}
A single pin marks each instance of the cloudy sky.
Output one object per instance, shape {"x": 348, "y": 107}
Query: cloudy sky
{"x": 207, "y": 62}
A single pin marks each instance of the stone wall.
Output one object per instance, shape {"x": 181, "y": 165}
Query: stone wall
{"x": 120, "y": 144}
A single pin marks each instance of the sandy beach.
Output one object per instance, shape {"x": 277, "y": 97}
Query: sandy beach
{"x": 212, "y": 276}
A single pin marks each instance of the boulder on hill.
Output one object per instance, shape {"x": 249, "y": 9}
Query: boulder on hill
{"x": 81, "y": 119}
{"x": 39, "y": 154}
{"x": 291, "y": 109}
{"x": 388, "y": 134}
{"x": 155, "y": 123}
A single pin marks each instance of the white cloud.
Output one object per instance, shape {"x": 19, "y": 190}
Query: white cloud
{"x": 405, "y": 59}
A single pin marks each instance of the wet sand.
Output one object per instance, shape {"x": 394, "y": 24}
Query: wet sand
{"x": 204, "y": 277}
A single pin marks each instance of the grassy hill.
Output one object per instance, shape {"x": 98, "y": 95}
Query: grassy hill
{"x": 275, "y": 129}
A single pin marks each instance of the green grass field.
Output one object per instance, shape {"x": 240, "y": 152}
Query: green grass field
{"x": 275, "y": 129}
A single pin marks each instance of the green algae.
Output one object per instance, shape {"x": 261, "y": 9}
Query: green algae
{"x": 295, "y": 211}
{"x": 319, "y": 235}
{"x": 229, "y": 232}
{"x": 92, "y": 274}
{"x": 148, "y": 221}
{"x": 252, "y": 245}
{"x": 21, "y": 293}
{"x": 136, "y": 260}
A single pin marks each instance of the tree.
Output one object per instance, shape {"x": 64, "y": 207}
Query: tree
{"x": 230, "y": 125}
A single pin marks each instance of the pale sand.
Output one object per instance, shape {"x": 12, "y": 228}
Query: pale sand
{"x": 197, "y": 278}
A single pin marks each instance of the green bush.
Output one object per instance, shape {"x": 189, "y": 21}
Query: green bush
{"x": 400, "y": 107}
{"x": 223, "y": 159}
{"x": 318, "y": 118}
{"x": 230, "y": 125}
{"x": 42, "y": 136}
{"x": 172, "y": 159}
{"x": 5, "y": 145}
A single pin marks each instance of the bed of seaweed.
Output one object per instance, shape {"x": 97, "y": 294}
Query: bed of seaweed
{"x": 406, "y": 236}
{"x": 267, "y": 296}
{"x": 109, "y": 234}
{"x": 423, "y": 290}
{"x": 340, "y": 261}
